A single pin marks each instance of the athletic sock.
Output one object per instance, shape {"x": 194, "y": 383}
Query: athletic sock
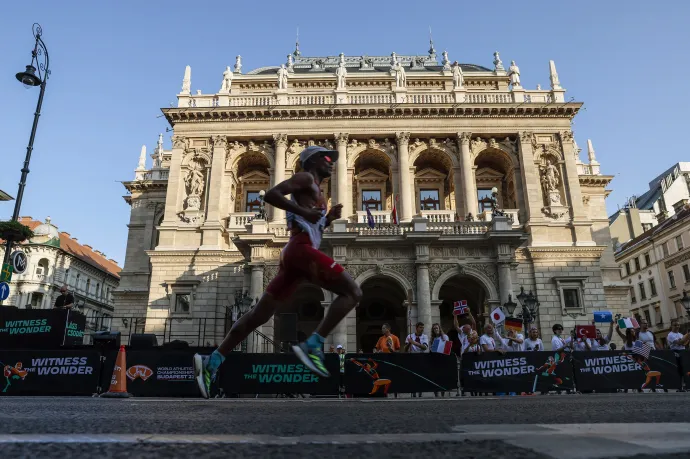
{"x": 316, "y": 341}
{"x": 214, "y": 361}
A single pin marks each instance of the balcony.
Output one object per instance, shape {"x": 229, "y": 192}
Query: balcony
{"x": 380, "y": 216}
{"x": 239, "y": 220}
{"x": 513, "y": 214}
{"x": 439, "y": 216}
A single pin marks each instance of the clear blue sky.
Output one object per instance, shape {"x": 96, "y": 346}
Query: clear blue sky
{"x": 116, "y": 63}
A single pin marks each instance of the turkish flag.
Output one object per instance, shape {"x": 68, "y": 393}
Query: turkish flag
{"x": 586, "y": 331}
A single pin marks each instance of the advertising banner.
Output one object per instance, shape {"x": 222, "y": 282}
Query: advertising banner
{"x": 516, "y": 372}
{"x": 40, "y": 328}
{"x": 606, "y": 370}
{"x": 400, "y": 373}
{"x": 276, "y": 374}
{"x": 49, "y": 372}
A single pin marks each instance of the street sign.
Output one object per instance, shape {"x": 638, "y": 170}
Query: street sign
{"x": 6, "y": 273}
{"x": 19, "y": 262}
{"x": 4, "y": 291}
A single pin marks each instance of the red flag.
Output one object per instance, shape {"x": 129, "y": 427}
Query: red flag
{"x": 586, "y": 331}
{"x": 394, "y": 215}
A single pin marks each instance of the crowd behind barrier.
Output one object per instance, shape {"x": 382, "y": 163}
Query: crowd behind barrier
{"x": 166, "y": 372}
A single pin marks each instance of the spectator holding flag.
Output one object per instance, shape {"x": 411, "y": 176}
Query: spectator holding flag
{"x": 464, "y": 331}
{"x": 601, "y": 343}
{"x": 629, "y": 337}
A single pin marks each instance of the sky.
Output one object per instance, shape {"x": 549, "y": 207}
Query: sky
{"x": 115, "y": 64}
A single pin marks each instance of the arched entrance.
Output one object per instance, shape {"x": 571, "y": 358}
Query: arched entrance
{"x": 382, "y": 302}
{"x": 306, "y": 303}
{"x": 461, "y": 287}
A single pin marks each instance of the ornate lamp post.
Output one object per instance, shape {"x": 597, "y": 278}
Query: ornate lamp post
{"x": 685, "y": 301}
{"x": 530, "y": 307}
{"x": 36, "y": 74}
{"x": 495, "y": 211}
{"x": 262, "y": 206}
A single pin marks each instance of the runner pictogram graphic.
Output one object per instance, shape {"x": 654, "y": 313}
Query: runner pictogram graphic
{"x": 13, "y": 372}
{"x": 369, "y": 368}
{"x": 549, "y": 369}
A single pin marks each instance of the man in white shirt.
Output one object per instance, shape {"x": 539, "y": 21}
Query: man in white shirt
{"x": 676, "y": 340}
{"x": 418, "y": 341}
{"x": 514, "y": 341}
{"x": 491, "y": 341}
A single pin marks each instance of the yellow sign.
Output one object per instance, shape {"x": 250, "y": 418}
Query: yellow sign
{"x": 6, "y": 273}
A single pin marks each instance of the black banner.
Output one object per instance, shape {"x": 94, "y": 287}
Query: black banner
{"x": 276, "y": 374}
{"x": 400, "y": 373}
{"x": 607, "y": 370}
{"x": 516, "y": 372}
{"x": 40, "y": 328}
{"x": 49, "y": 372}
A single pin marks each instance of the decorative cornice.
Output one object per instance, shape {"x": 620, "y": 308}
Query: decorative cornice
{"x": 677, "y": 259}
{"x": 595, "y": 180}
{"x": 541, "y": 253}
{"x": 185, "y": 256}
{"x": 371, "y": 111}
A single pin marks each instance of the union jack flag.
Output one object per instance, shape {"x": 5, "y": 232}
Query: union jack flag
{"x": 641, "y": 348}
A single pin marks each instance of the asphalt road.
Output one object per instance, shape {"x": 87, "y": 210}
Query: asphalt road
{"x": 577, "y": 426}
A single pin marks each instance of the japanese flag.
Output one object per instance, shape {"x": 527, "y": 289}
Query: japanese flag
{"x": 497, "y": 316}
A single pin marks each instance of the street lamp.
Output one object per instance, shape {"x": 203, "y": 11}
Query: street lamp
{"x": 262, "y": 206}
{"x": 495, "y": 211}
{"x": 36, "y": 74}
{"x": 529, "y": 304}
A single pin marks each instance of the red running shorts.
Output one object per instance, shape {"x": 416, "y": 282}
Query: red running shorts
{"x": 300, "y": 262}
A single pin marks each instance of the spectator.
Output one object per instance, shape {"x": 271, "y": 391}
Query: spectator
{"x": 646, "y": 335}
{"x": 437, "y": 333}
{"x": 514, "y": 342}
{"x": 677, "y": 341}
{"x": 579, "y": 344}
{"x": 65, "y": 300}
{"x": 474, "y": 346}
{"x": 464, "y": 331}
{"x": 341, "y": 356}
{"x": 558, "y": 343}
{"x": 417, "y": 342}
{"x": 488, "y": 340}
{"x": 601, "y": 343}
{"x": 533, "y": 342}
{"x": 388, "y": 342}
{"x": 629, "y": 337}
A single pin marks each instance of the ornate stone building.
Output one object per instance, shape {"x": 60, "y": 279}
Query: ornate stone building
{"x": 430, "y": 140}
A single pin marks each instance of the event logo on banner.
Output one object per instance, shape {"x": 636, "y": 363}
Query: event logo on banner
{"x": 516, "y": 372}
{"x": 275, "y": 374}
{"x": 608, "y": 370}
{"x": 50, "y": 372}
{"x": 139, "y": 371}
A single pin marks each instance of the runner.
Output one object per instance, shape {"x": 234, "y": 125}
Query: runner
{"x": 300, "y": 261}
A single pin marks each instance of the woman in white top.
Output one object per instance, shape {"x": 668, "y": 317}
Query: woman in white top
{"x": 675, "y": 340}
{"x": 628, "y": 338}
{"x": 533, "y": 342}
{"x": 558, "y": 343}
{"x": 601, "y": 343}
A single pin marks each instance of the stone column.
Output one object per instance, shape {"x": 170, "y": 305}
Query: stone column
{"x": 212, "y": 225}
{"x": 423, "y": 295}
{"x": 256, "y": 290}
{"x": 460, "y": 202}
{"x": 530, "y": 179}
{"x": 468, "y": 183}
{"x": 279, "y": 170}
{"x": 174, "y": 192}
{"x": 505, "y": 282}
{"x": 406, "y": 185}
{"x": 583, "y": 233}
{"x": 342, "y": 195}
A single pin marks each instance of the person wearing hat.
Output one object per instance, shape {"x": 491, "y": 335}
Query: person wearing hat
{"x": 300, "y": 261}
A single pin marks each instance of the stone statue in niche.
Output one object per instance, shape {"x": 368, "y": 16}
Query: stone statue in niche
{"x": 341, "y": 72}
{"x": 458, "y": 79}
{"x": 550, "y": 176}
{"x": 400, "y": 78}
{"x": 195, "y": 187}
{"x": 550, "y": 181}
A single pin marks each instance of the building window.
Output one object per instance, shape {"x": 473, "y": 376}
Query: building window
{"x": 679, "y": 242}
{"x": 42, "y": 268}
{"x": 76, "y": 284}
{"x": 66, "y": 280}
{"x": 652, "y": 287}
{"x": 183, "y": 302}
{"x": 253, "y": 201}
{"x": 98, "y": 290}
{"x": 648, "y": 317}
{"x": 647, "y": 260}
{"x": 671, "y": 279}
{"x": 643, "y": 294}
{"x": 637, "y": 263}
{"x": 627, "y": 268}
{"x": 638, "y": 318}
{"x": 633, "y": 298}
{"x": 686, "y": 273}
{"x": 484, "y": 199}
{"x": 371, "y": 199}
{"x": 646, "y": 226}
{"x": 428, "y": 200}
{"x": 664, "y": 249}
{"x": 36, "y": 300}
{"x": 571, "y": 298}
{"x": 657, "y": 314}
{"x": 88, "y": 286}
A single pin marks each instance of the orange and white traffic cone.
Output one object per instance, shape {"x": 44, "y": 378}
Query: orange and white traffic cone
{"x": 118, "y": 384}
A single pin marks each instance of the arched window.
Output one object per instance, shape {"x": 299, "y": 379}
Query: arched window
{"x": 88, "y": 286}
{"x": 42, "y": 267}
{"x": 77, "y": 285}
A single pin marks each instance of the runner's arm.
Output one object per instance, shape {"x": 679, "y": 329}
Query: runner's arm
{"x": 276, "y": 195}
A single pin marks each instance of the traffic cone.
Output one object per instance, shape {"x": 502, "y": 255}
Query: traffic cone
{"x": 118, "y": 384}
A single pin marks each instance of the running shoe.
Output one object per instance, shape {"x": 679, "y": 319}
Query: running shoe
{"x": 202, "y": 375}
{"x": 313, "y": 358}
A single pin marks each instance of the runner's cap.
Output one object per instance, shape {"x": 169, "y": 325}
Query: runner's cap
{"x": 315, "y": 149}
{"x": 339, "y": 346}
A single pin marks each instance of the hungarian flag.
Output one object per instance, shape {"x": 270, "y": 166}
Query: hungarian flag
{"x": 370, "y": 219}
{"x": 394, "y": 215}
{"x": 460, "y": 308}
{"x": 441, "y": 347}
{"x": 513, "y": 324}
{"x": 586, "y": 331}
{"x": 628, "y": 322}
{"x": 497, "y": 316}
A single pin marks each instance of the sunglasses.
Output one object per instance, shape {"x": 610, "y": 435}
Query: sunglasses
{"x": 327, "y": 158}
